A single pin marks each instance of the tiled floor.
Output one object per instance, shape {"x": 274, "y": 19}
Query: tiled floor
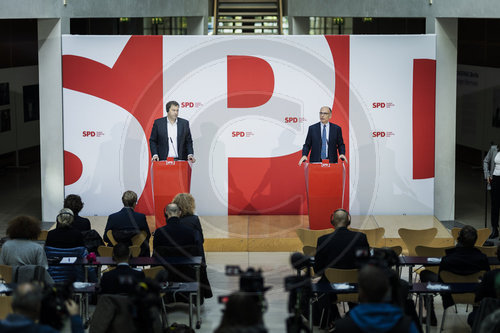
{"x": 21, "y": 195}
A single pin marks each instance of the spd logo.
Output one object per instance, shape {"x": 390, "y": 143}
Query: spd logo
{"x": 241, "y": 134}
{"x": 91, "y": 134}
{"x": 382, "y": 134}
{"x": 294, "y": 120}
{"x": 190, "y": 105}
{"x": 382, "y": 105}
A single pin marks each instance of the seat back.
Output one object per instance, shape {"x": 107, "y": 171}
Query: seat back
{"x": 6, "y": 273}
{"x": 449, "y": 277}
{"x": 135, "y": 250}
{"x": 43, "y": 235}
{"x": 412, "y": 238}
{"x": 482, "y": 235}
{"x": 335, "y": 275}
{"x": 397, "y": 249}
{"x": 489, "y": 251}
{"x": 430, "y": 251}
{"x": 374, "y": 236}
{"x": 309, "y": 251}
{"x": 151, "y": 273}
{"x": 105, "y": 251}
{"x": 5, "y": 306}
{"x": 310, "y": 237}
{"x": 139, "y": 238}
{"x": 66, "y": 273}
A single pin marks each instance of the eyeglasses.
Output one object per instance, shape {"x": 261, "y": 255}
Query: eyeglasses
{"x": 324, "y": 113}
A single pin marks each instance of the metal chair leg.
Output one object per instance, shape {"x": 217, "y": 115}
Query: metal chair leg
{"x": 442, "y": 321}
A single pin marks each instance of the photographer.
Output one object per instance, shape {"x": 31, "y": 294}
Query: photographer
{"x": 243, "y": 313}
{"x": 375, "y": 313}
{"x": 26, "y": 305}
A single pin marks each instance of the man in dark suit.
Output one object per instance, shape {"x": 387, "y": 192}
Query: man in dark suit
{"x": 171, "y": 136}
{"x": 122, "y": 279}
{"x": 324, "y": 140}
{"x": 337, "y": 250}
{"x": 126, "y": 223}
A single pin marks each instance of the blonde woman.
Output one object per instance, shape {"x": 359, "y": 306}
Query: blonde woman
{"x": 185, "y": 202}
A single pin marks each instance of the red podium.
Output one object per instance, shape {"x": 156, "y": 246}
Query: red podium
{"x": 325, "y": 191}
{"x": 169, "y": 178}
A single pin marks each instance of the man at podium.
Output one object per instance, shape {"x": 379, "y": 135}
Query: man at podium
{"x": 324, "y": 140}
{"x": 171, "y": 136}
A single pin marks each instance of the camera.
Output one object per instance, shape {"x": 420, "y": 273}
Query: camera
{"x": 53, "y": 309}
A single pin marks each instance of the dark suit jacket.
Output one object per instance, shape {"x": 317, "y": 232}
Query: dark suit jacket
{"x": 193, "y": 221}
{"x": 127, "y": 219}
{"x": 176, "y": 234}
{"x": 464, "y": 261}
{"x": 121, "y": 280}
{"x": 331, "y": 246}
{"x": 81, "y": 223}
{"x": 64, "y": 238}
{"x": 158, "y": 141}
{"x": 313, "y": 143}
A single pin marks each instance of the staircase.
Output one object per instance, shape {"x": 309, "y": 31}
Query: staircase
{"x": 248, "y": 17}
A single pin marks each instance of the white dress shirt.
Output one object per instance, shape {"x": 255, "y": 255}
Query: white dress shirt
{"x": 172, "y": 139}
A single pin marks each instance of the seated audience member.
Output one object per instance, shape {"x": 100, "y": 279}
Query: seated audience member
{"x": 64, "y": 236}
{"x": 21, "y": 249}
{"x": 185, "y": 202}
{"x": 26, "y": 303}
{"x": 126, "y": 223}
{"x": 242, "y": 314}
{"x": 123, "y": 279}
{"x": 463, "y": 259}
{"x": 338, "y": 249}
{"x": 375, "y": 313}
{"x": 489, "y": 287}
{"x": 184, "y": 239}
{"x": 74, "y": 202}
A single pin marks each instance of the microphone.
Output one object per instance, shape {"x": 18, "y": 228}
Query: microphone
{"x": 173, "y": 146}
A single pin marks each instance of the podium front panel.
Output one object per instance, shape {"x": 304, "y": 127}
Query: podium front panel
{"x": 169, "y": 179}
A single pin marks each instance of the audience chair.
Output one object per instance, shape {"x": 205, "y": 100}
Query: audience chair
{"x": 374, "y": 236}
{"x": 335, "y": 275}
{"x": 489, "y": 251}
{"x": 309, "y": 238}
{"x": 448, "y": 277}
{"x": 111, "y": 237}
{"x": 398, "y": 249}
{"x": 6, "y": 273}
{"x": 309, "y": 250}
{"x": 5, "y": 306}
{"x": 43, "y": 235}
{"x": 135, "y": 250}
{"x": 413, "y": 238}
{"x": 139, "y": 238}
{"x": 430, "y": 251}
{"x": 105, "y": 251}
{"x": 153, "y": 271}
{"x": 64, "y": 273}
{"x": 482, "y": 235}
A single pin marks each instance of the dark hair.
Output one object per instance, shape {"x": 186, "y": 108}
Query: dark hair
{"x": 242, "y": 310}
{"x": 24, "y": 227}
{"x": 27, "y": 300}
{"x": 467, "y": 236}
{"x": 121, "y": 251}
{"x": 73, "y": 202}
{"x": 169, "y": 104}
{"x": 129, "y": 198}
{"x": 373, "y": 284}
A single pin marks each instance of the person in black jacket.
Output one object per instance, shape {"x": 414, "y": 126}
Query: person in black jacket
{"x": 74, "y": 202}
{"x": 464, "y": 259}
{"x": 126, "y": 223}
{"x": 123, "y": 279}
{"x": 186, "y": 204}
{"x": 64, "y": 236}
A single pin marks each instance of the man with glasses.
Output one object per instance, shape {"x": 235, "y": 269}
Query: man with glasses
{"x": 324, "y": 140}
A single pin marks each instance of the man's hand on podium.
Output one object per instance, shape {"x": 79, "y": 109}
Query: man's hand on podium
{"x": 191, "y": 158}
{"x": 155, "y": 158}
{"x": 302, "y": 160}
{"x": 343, "y": 158}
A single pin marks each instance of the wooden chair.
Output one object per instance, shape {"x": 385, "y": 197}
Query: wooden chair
{"x": 5, "y": 306}
{"x": 43, "y": 235}
{"x": 398, "y": 249}
{"x": 413, "y": 238}
{"x": 153, "y": 271}
{"x": 374, "y": 236}
{"x": 139, "y": 238}
{"x": 6, "y": 273}
{"x": 490, "y": 251}
{"x": 482, "y": 235}
{"x": 309, "y": 250}
{"x": 309, "y": 237}
{"x": 111, "y": 237}
{"x": 468, "y": 298}
{"x": 135, "y": 250}
{"x": 335, "y": 275}
{"x": 105, "y": 251}
{"x": 430, "y": 251}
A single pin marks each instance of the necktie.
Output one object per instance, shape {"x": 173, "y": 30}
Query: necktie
{"x": 323, "y": 144}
